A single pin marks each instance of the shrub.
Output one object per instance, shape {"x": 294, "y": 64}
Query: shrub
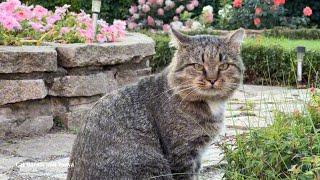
{"x": 294, "y": 9}
{"x": 268, "y": 60}
{"x": 293, "y": 33}
{"x": 288, "y": 149}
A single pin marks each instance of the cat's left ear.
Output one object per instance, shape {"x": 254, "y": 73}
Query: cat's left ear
{"x": 236, "y": 38}
{"x": 178, "y": 39}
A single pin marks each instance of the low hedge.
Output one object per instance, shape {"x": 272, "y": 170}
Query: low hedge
{"x": 268, "y": 61}
{"x": 293, "y": 33}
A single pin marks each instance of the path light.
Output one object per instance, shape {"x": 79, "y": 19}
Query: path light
{"x": 300, "y": 55}
{"x": 96, "y": 6}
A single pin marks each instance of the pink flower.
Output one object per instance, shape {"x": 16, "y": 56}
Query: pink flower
{"x": 40, "y": 11}
{"x": 307, "y": 11}
{"x": 166, "y": 27}
{"x": 208, "y": 17}
{"x": 152, "y": 1}
{"x": 195, "y": 3}
{"x": 257, "y": 21}
{"x": 101, "y": 38}
{"x": 237, "y": 3}
{"x": 142, "y": 2}
{"x": 145, "y": 8}
{"x": 132, "y": 25}
{"x": 258, "y": 11}
{"x": 176, "y": 18}
{"x": 9, "y": 23}
{"x": 53, "y": 19}
{"x": 24, "y": 13}
{"x": 170, "y": 4}
{"x": 160, "y": 2}
{"x": 10, "y": 5}
{"x": 190, "y": 7}
{"x": 61, "y": 10}
{"x": 36, "y": 26}
{"x": 160, "y": 12}
{"x": 178, "y": 11}
{"x": 150, "y": 21}
{"x": 133, "y": 9}
{"x": 64, "y": 30}
{"x": 279, "y": 2}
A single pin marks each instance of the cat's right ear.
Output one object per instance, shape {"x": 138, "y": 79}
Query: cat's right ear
{"x": 178, "y": 39}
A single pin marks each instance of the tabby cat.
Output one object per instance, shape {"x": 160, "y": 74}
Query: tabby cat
{"x": 159, "y": 127}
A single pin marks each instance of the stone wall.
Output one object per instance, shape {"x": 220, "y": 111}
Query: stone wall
{"x": 58, "y": 83}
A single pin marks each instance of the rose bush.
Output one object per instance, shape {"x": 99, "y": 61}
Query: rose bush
{"x": 21, "y": 24}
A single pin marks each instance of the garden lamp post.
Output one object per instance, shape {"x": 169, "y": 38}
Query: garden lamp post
{"x": 300, "y": 55}
{"x": 96, "y": 6}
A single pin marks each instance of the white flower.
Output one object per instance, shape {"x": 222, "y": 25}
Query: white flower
{"x": 177, "y": 25}
{"x": 207, "y": 9}
{"x": 196, "y": 25}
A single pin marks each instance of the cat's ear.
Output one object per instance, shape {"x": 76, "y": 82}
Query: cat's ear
{"x": 236, "y": 38}
{"x": 178, "y": 39}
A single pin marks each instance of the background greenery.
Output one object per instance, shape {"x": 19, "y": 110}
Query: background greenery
{"x": 270, "y": 61}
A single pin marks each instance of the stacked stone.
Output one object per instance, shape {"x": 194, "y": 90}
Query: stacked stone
{"x": 39, "y": 85}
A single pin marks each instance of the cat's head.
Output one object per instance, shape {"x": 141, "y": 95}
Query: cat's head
{"x": 206, "y": 67}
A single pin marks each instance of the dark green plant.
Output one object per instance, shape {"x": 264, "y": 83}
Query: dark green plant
{"x": 295, "y": 9}
{"x": 288, "y": 149}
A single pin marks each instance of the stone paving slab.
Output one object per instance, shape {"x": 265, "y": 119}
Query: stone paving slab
{"x": 46, "y": 157}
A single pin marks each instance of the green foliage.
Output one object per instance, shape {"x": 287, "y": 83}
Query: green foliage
{"x": 293, "y": 33}
{"x": 273, "y": 61}
{"x": 267, "y": 60}
{"x": 288, "y": 149}
{"x": 295, "y": 9}
{"x": 110, "y": 9}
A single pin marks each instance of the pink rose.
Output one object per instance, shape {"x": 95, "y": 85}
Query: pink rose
{"x": 133, "y": 9}
{"x": 142, "y": 1}
{"x": 166, "y": 27}
{"x": 195, "y": 3}
{"x": 152, "y": 1}
{"x": 132, "y": 25}
{"x": 160, "y": 12}
{"x": 160, "y": 2}
{"x": 145, "y": 8}
{"x": 190, "y": 7}
{"x": 307, "y": 11}
{"x": 150, "y": 21}
{"x": 36, "y": 26}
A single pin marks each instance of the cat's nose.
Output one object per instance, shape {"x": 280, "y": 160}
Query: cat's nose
{"x": 213, "y": 82}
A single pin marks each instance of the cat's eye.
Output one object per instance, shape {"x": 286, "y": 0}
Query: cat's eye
{"x": 224, "y": 66}
{"x": 198, "y": 67}
{"x": 221, "y": 57}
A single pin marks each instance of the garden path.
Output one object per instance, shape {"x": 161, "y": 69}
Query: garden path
{"x": 46, "y": 157}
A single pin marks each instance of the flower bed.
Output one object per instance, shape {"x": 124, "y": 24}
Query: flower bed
{"x": 22, "y": 24}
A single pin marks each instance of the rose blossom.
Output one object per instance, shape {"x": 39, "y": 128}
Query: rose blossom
{"x": 145, "y": 8}
{"x": 160, "y": 2}
{"x": 166, "y": 27}
{"x": 257, "y": 21}
{"x": 132, "y": 25}
{"x": 133, "y": 9}
{"x": 152, "y": 1}
{"x": 160, "y": 12}
{"x": 279, "y": 2}
{"x": 190, "y": 7}
{"x": 150, "y": 21}
{"x": 307, "y": 11}
{"x": 237, "y": 3}
{"x": 24, "y": 13}
{"x": 142, "y": 1}
{"x": 195, "y": 3}
{"x": 258, "y": 11}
